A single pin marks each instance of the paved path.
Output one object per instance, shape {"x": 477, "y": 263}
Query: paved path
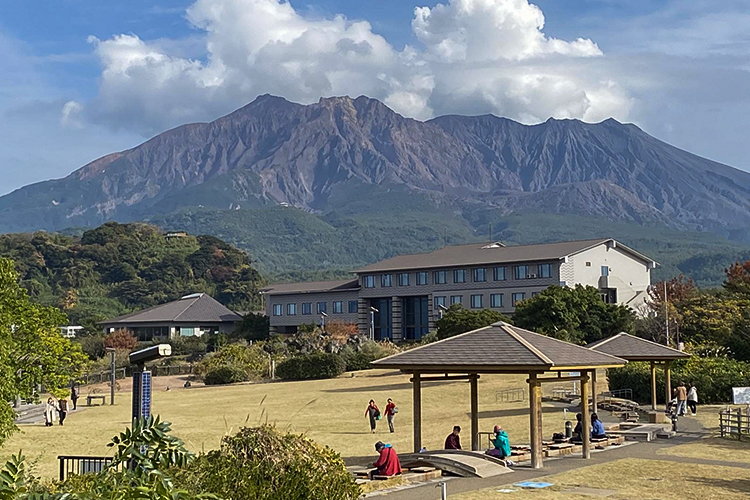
{"x": 690, "y": 428}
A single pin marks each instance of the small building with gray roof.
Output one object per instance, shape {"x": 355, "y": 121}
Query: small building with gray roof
{"x": 401, "y": 298}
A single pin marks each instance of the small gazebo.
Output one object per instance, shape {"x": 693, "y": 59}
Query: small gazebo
{"x": 632, "y": 348}
{"x": 502, "y": 349}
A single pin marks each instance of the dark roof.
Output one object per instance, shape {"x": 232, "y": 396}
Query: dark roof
{"x": 311, "y": 287}
{"x": 491, "y": 253}
{"x": 499, "y": 347}
{"x": 632, "y": 348}
{"x": 194, "y": 308}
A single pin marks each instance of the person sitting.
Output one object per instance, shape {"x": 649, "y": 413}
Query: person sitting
{"x": 387, "y": 464}
{"x": 597, "y": 427}
{"x": 578, "y": 430}
{"x": 453, "y": 442}
{"x": 501, "y": 444}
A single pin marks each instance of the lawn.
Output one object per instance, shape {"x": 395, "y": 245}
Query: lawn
{"x": 632, "y": 479}
{"x": 329, "y": 411}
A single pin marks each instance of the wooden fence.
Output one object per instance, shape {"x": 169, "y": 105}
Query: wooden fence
{"x": 734, "y": 423}
{"x": 122, "y": 373}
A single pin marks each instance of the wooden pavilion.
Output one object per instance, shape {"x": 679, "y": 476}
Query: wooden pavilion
{"x": 632, "y": 348}
{"x": 502, "y": 349}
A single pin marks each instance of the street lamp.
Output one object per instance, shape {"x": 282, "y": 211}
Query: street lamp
{"x": 372, "y": 322}
{"x": 441, "y": 310}
{"x": 111, "y": 351}
{"x": 323, "y": 317}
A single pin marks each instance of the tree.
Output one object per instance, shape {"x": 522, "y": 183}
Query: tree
{"x": 253, "y": 327}
{"x": 457, "y": 320}
{"x": 32, "y": 351}
{"x": 577, "y": 315}
{"x": 121, "y": 339}
{"x": 738, "y": 278}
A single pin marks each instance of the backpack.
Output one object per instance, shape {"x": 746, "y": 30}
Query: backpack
{"x": 394, "y": 410}
{"x": 377, "y": 414}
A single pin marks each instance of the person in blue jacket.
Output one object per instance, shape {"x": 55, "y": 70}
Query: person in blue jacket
{"x": 501, "y": 444}
{"x": 597, "y": 427}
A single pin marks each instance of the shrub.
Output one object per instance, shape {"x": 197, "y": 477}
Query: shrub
{"x": 713, "y": 377}
{"x": 264, "y": 464}
{"x": 368, "y": 352}
{"x": 317, "y": 365}
{"x": 225, "y": 375}
{"x": 188, "y": 346}
{"x": 121, "y": 339}
{"x": 251, "y": 360}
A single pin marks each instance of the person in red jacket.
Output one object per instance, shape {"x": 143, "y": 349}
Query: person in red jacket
{"x": 390, "y": 412}
{"x": 453, "y": 442}
{"x": 387, "y": 464}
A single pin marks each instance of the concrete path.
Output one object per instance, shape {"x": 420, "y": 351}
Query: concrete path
{"x": 690, "y": 430}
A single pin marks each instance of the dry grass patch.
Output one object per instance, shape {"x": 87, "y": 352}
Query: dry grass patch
{"x": 713, "y": 448}
{"x": 329, "y": 411}
{"x": 635, "y": 479}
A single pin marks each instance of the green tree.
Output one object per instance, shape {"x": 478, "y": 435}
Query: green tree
{"x": 577, "y": 315}
{"x": 458, "y": 319}
{"x": 253, "y": 327}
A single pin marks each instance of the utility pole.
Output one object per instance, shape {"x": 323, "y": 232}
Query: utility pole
{"x": 111, "y": 351}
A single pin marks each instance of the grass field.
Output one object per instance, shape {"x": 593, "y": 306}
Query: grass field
{"x": 329, "y": 411}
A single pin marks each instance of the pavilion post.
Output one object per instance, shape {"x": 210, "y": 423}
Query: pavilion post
{"x": 653, "y": 385}
{"x": 593, "y": 391}
{"x": 474, "y": 412}
{"x": 586, "y": 420}
{"x": 667, "y": 383}
{"x": 535, "y": 416}
{"x": 417, "y": 409}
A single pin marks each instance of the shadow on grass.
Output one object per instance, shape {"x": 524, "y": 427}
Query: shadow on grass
{"x": 733, "y": 485}
{"x": 389, "y": 387}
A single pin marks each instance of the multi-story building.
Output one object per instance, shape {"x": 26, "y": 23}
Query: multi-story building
{"x": 402, "y": 297}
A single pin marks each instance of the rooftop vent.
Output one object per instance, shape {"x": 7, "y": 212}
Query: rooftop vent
{"x": 497, "y": 244}
{"x": 192, "y": 296}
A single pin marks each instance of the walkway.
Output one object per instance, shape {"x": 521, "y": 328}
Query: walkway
{"x": 690, "y": 430}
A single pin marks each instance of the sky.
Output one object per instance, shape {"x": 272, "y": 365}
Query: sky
{"x": 83, "y": 78}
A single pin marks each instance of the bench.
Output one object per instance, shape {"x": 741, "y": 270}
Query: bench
{"x": 91, "y": 398}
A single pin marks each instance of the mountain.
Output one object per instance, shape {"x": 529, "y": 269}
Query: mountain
{"x": 312, "y": 156}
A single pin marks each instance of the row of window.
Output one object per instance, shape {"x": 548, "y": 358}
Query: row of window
{"x": 479, "y": 275}
{"x": 322, "y": 307}
{"x": 477, "y": 301}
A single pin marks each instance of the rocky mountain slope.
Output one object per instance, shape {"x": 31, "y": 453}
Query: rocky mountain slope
{"x": 321, "y": 157}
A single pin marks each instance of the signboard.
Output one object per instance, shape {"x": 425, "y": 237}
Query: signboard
{"x": 741, "y": 395}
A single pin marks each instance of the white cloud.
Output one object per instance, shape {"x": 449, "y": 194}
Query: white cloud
{"x": 70, "y": 115}
{"x": 474, "y": 56}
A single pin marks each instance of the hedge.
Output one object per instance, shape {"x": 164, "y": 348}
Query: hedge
{"x": 713, "y": 378}
{"x": 317, "y": 365}
{"x": 225, "y": 375}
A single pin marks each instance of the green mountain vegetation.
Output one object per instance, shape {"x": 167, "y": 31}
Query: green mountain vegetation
{"x": 293, "y": 244}
{"x": 118, "y": 268}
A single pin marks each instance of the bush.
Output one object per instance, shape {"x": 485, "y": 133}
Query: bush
{"x": 188, "y": 346}
{"x": 225, "y": 375}
{"x": 317, "y": 365}
{"x": 368, "y": 352}
{"x": 121, "y": 339}
{"x": 264, "y": 464}
{"x": 713, "y": 377}
{"x": 251, "y": 360}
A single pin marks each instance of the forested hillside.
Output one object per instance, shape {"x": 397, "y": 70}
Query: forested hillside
{"x": 117, "y": 268}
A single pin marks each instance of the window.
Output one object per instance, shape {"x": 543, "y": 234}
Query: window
{"x": 369, "y": 281}
{"x": 321, "y": 307}
{"x": 459, "y": 276}
{"x": 441, "y": 277}
{"x": 307, "y": 308}
{"x": 403, "y": 279}
{"x": 534, "y": 294}
{"x": 499, "y": 274}
{"x": 476, "y": 301}
{"x": 605, "y": 270}
{"x": 440, "y": 301}
{"x": 386, "y": 280}
{"x": 457, "y": 299}
{"x": 521, "y": 272}
{"x": 544, "y": 270}
{"x": 291, "y": 309}
{"x": 422, "y": 278}
{"x": 338, "y": 307}
{"x": 480, "y": 274}
{"x": 415, "y": 317}
{"x": 353, "y": 307}
{"x": 277, "y": 310}
{"x": 588, "y": 264}
{"x": 187, "y": 332}
{"x": 496, "y": 300}
{"x": 516, "y": 298}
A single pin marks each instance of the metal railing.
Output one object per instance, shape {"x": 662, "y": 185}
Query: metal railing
{"x": 510, "y": 395}
{"x": 734, "y": 423}
{"x": 76, "y": 465}
{"x": 123, "y": 373}
{"x": 563, "y": 392}
{"x": 608, "y": 396}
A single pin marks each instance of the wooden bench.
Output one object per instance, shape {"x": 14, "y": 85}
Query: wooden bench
{"x": 91, "y": 398}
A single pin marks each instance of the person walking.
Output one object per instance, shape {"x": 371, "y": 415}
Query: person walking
{"x": 681, "y": 399}
{"x": 390, "y": 412}
{"x": 74, "y": 397}
{"x": 50, "y": 412}
{"x": 453, "y": 441}
{"x": 62, "y": 410}
{"x": 692, "y": 399}
{"x": 373, "y": 412}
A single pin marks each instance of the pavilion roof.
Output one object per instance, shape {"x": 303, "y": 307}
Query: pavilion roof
{"x": 500, "y": 347}
{"x": 632, "y": 348}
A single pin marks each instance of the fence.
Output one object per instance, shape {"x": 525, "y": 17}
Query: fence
{"x": 75, "y": 465}
{"x": 734, "y": 423}
{"x": 510, "y": 395}
{"x": 122, "y": 373}
{"x": 608, "y": 396}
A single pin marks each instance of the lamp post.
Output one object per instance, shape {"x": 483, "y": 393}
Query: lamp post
{"x": 441, "y": 310}
{"x": 323, "y": 317}
{"x": 111, "y": 351}
{"x": 372, "y": 322}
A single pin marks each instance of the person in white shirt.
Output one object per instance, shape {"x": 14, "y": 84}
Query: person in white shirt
{"x": 692, "y": 398}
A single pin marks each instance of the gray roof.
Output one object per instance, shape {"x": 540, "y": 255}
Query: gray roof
{"x": 194, "y": 308}
{"x": 499, "y": 347}
{"x": 493, "y": 253}
{"x": 312, "y": 287}
{"x": 626, "y": 346}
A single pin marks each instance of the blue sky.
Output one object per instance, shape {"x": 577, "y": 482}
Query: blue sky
{"x": 84, "y": 78}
